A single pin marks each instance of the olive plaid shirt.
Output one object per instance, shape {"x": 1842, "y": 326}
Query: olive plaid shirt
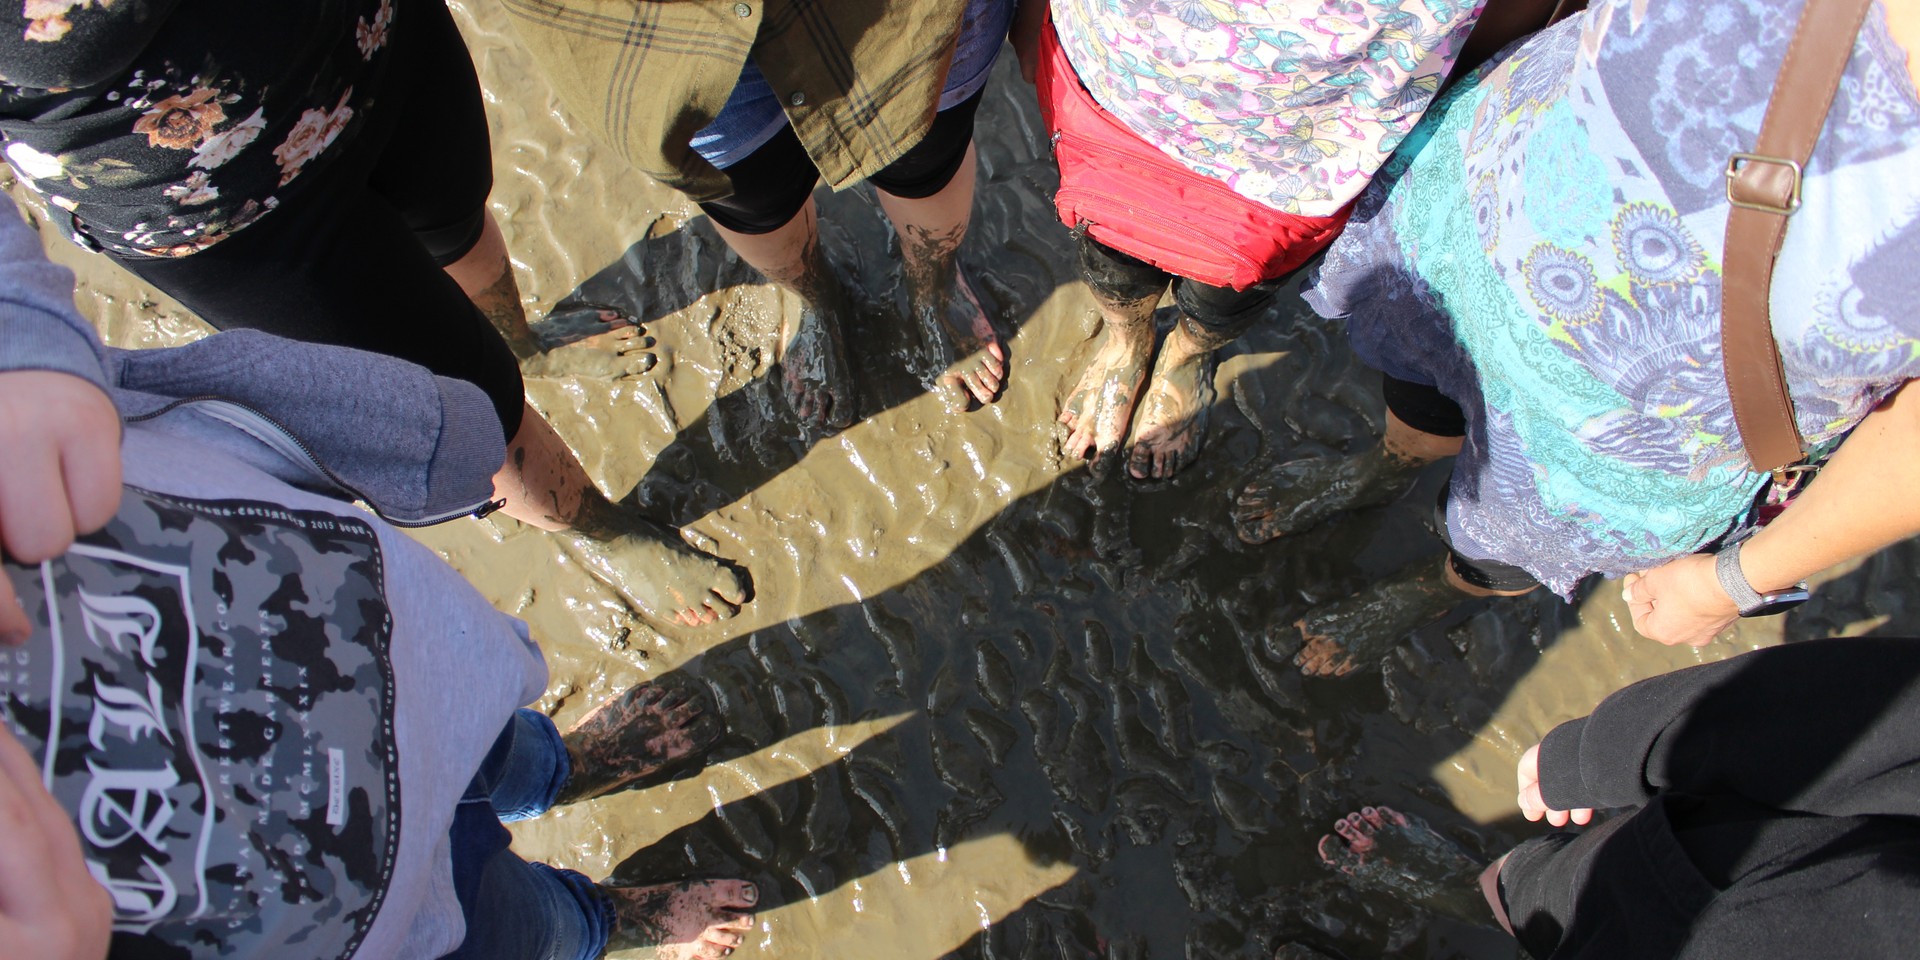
{"x": 860, "y": 79}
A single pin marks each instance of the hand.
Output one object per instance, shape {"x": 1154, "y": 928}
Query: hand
{"x": 1680, "y": 601}
{"x": 1532, "y": 806}
{"x": 50, "y": 905}
{"x": 61, "y": 477}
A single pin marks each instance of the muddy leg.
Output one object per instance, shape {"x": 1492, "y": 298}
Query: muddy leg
{"x": 486, "y": 276}
{"x": 959, "y": 348}
{"x": 813, "y": 353}
{"x": 652, "y": 569}
{"x": 1296, "y": 495}
{"x": 1356, "y": 632}
{"x": 1172, "y": 423}
{"x": 1100, "y": 407}
{"x": 633, "y": 738}
{"x": 1386, "y": 851}
{"x": 704, "y": 919}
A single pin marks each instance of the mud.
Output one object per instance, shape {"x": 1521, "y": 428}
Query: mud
{"x": 982, "y": 703}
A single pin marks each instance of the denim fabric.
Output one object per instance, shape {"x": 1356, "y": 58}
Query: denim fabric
{"x": 517, "y": 910}
{"x": 753, "y": 113}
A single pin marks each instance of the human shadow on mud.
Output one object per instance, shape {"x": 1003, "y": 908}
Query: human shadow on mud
{"x": 1084, "y": 674}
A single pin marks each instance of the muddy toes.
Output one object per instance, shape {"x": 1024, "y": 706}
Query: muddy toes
{"x": 1385, "y": 851}
{"x": 814, "y": 372}
{"x": 1300, "y": 494}
{"x": 635, "y": 739}
{"x": 684, "y": 920}
{"x": 660, "y": 577}
{"x": 584, "y": 324}
{"x": 1358, "y": 631}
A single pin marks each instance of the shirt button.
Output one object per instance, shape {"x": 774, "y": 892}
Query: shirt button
{"x": 743, "y": 10}
{"x": 797, "y": 99}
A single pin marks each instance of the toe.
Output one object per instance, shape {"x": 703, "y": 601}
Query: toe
{"x": 737, "y": 894}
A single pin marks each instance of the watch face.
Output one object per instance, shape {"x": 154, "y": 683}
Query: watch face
{"x": 1772, "y": 603}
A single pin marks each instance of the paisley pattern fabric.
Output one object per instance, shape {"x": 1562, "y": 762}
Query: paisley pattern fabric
{"x": 1546, "y": 251}
{"x": 1292, "y": 105}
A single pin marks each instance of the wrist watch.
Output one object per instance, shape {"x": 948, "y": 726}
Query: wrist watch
{"x": 1751, "y": 602}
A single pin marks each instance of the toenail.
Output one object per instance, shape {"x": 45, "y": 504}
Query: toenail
{"x": 751, "y": 894}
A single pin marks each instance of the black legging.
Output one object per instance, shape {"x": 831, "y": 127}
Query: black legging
{"x": 772, "y": 184}
{"x": 1222, "y": 310}
{"x": 355, "y": 258}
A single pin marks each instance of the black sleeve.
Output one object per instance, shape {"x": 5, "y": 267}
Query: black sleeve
{"x": 80, "y": 46}
{"x": 1829, "y": 727}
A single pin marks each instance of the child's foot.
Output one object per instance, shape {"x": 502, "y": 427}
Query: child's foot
{"x": 1358, "y": 631}
{"x": 704, "y": 919}
{"x": 631, "y": 739}
{"x": 1299, "y": 494}
{"x": 620, "y": 354}
{"x": 1172, "y": 422}
{"x": 1386, "y": 851}
{"x": 1099, "y": 410}
{"x": 658, "y": 575}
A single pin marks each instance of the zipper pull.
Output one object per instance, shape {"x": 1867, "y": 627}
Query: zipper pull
{"x": 488, "y": 508}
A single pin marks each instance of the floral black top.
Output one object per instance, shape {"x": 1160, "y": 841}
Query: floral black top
{"x": 161, "y": 127}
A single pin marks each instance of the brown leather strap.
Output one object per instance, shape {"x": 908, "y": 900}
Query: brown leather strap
{"x": 1764, "y": 189}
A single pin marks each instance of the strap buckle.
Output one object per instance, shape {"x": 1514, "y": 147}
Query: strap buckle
{"x": 1789, "y": 477}
{"x": 1734, "y": 168}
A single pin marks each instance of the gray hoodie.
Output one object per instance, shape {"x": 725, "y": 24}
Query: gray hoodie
{"x": 262, "y": 703}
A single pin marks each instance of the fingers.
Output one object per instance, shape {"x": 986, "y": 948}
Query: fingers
{"x": 36, "y": 522}
{"x": 15, "y": 628}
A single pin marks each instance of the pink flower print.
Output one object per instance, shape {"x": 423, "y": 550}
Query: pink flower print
{"x": 181, "y": 123}
{"x": 196, "y": 190}
{"x": 228, "y": 143}
{"x": 373, "y": 36}
{"x": 316, "y": 130}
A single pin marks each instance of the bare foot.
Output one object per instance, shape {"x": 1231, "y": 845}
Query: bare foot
{"x": 1100, "y": 407}
{"x": 704, "y": 919}
{"x": 631, "y": 739}
{"x": 1172, "y": 423}
{"x": 1356, "y": 632}
{"x": 658, "y": 575}
{"x": 1386, "y": 851}
{"x": 961, "y": 349}
{"x": 619, "y": 354}
{"x": 1299, "y": 494}
{"x": 813, "y": 368}
{"x": 577, "y": 323}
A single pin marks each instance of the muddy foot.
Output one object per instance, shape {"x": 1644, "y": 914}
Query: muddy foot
{"x": 630, "y": 740}
{"x": 619, "y": 354}
{"x": 704, "y": 919}
{"x": 959, "y": 348}
{"x": 1299, "y": 494}
{"x": 582, "y": 324}
{"x": 813, "y": 366}
{"x": 1100, "y": 408}
{"x": 659, "y": 576}
{"x": 1172, "y": 424}
{"x": 1356, "y": 632}
{"x": 1386, "y": 851}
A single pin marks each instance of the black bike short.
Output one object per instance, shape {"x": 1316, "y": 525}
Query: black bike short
{"x": 355, "y": 257}
{"x": 772, "y": 184}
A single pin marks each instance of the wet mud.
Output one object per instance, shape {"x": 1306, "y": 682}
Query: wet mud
{"x": 984, "y": 703}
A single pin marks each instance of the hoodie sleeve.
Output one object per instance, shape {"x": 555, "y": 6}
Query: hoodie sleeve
{"x": 1826, "y": 727}
{"x": 39, "y": 327}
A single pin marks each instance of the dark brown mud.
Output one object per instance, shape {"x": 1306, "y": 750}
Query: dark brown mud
{"x": 983, "y": 703}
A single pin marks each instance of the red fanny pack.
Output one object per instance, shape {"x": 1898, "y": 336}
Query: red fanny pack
{"x": 1125, "y": 193}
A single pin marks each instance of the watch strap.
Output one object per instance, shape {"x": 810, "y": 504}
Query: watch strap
{"x": 1726, "y": 565}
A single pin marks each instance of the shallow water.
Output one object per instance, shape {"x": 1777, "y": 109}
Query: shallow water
{"x": 984, "y": 702}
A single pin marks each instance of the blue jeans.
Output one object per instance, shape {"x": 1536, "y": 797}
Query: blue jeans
{"x": 517, "y": 910}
